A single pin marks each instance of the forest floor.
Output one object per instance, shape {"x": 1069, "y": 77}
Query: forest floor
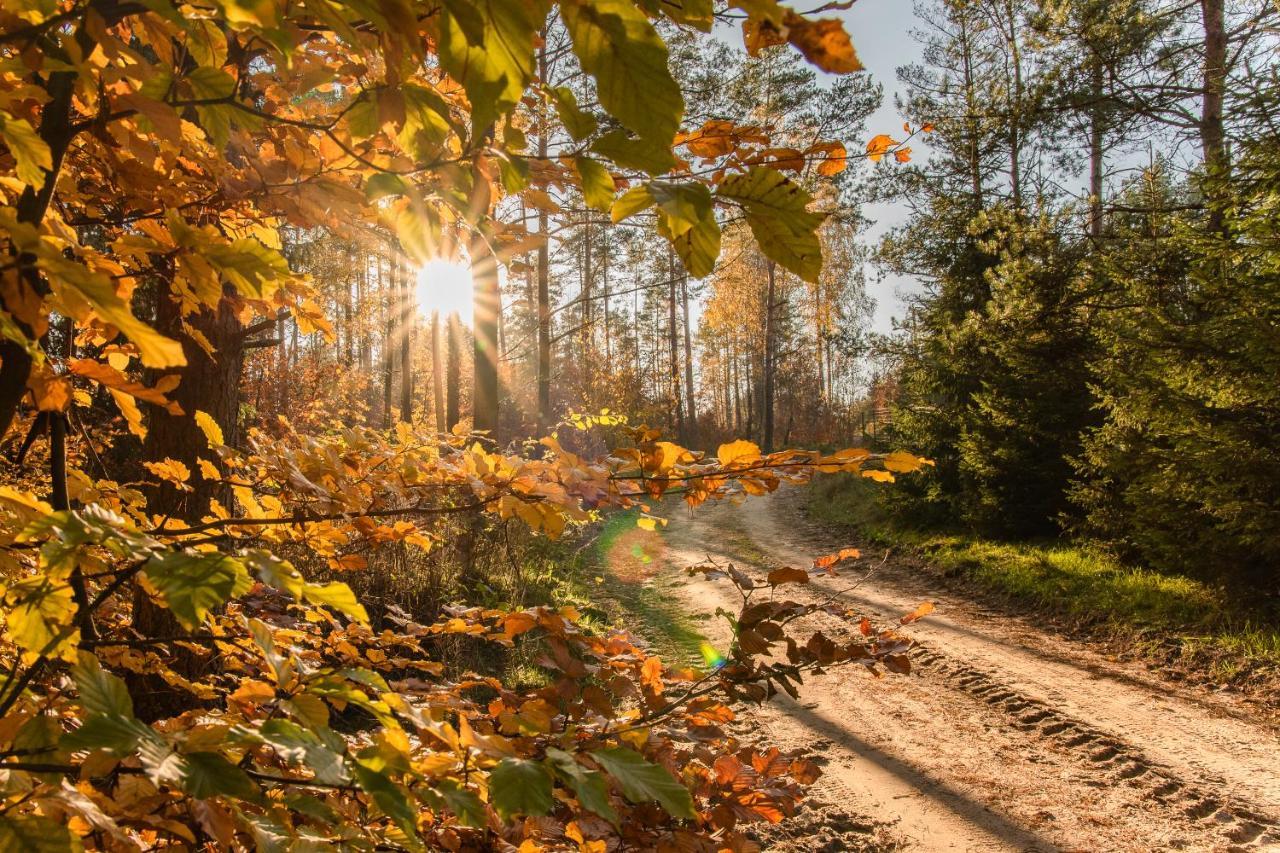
{"x": 1008, "y": 735}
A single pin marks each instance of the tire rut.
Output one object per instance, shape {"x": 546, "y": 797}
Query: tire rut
{"x": 1111, "y": 759}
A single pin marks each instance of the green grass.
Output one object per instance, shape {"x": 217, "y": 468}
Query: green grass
{"x": 1074, "y": 580}
{"x": 628, "y": 574}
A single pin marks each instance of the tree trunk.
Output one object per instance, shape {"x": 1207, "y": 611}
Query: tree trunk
{"x": 1096, "y": 140}
{"x": 688, "y": 362}
{"x": 544, "y": 275}
{"x": 211, "y": 385}
{"x": 406, "y": 339}
{"x": 488, "y": 302}
{"x": 388, "y": 343}
{"x": 437, "y": 379}
{"x": 673, "y": 338}
{"x": 766, "y": 402}
{"x": 453, "y": 372}
{"x": 1212, "y": 130}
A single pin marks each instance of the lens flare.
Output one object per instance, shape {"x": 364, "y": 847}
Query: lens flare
{"x": 712, "y": 657}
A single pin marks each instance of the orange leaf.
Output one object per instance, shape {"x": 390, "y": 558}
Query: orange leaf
{"x": 879, "y": 146}
{"x": 919, "y": 613}
{"x": 824, "y": 43}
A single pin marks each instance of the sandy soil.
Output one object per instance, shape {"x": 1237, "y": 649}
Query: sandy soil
{"x": 1005, "y": 736}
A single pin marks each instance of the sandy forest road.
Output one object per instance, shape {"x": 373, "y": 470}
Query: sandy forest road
{"x": 1004, "y": 737}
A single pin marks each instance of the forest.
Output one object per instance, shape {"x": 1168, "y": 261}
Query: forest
{"x": 465, "y": 424}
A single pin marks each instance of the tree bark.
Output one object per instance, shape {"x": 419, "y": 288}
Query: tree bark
{"x": 406, "y": 339}
{"x": 673, "y": 338}
{"x": 437, "y": 380}
{"x": 487, "y": 302}
{"x": 1212, "y": 128}
{"x": 688, "y": 362}
{"x": 453, "y": 372}
{"x": 766, "y": 402}
{"x": 544, "y": 275}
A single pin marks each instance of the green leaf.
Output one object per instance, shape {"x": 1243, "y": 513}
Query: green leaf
{"x": 518, "y": 786}
{"x": 338, "y": 596}
{"x": 642, "y": 781}
{"x": 39, "y": 739}
{"x": 36, "y": 835}
{"x": 777, "y": 211}
{"x": 681, "y": 206}
{"x": 119, "y": 736}
{"x": 194, "y": 583}
{"x": 101, "y": 692}
{"x": 597, "y": 184}
{"x": 589, "y": 786}
{"x": 384, "y": 184}
{"x": 488, "y": 47}
{"x": 30, "y": 153}
{"x": 579, "y": 124}
{"x": 303, "y": 748}
{"x": 208, "y": 774}
{"x": 633, "y": 201}
{"x": 630, "y": 152}
{"x": 699, "y": 247}
{"x": 464, "y": 803}
{"x": 616, "y": 44}
{"x": 389, "y": 797}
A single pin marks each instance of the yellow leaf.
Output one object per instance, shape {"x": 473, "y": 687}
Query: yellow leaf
{"x": 650, "y": 522}
{"x": 878, "y": 476}
{"x": 208, "y": 470}
{"x": 129, "y": 408}
{"x": 40, "y": 614}
{"x": 169, "y": 470}
{"x": 737, "y": 451}
{"x": 212, "y": 432}
{"x": 902, "y": 462}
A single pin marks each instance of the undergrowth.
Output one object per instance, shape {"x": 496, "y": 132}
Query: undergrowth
{"x": 1078, "y": 581}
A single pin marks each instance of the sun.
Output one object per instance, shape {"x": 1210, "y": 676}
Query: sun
{"x": 445, "y": 286}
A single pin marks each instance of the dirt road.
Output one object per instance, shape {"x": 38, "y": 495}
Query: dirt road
{"x": 1004, "y": 737}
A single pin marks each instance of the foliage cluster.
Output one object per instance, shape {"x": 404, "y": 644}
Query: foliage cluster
{"x": 1103, "y": 360}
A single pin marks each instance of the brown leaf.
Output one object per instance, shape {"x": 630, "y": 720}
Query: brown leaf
{"x": 778, "y": 577}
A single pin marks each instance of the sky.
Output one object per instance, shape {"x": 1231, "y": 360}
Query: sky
{"x": 881, "y": 34}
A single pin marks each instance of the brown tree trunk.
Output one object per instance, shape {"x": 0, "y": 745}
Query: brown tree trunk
{"x": 488, "y": 302}
{"x": 766, "y": 402}
{"x": 388, "y": 342}
{"x": 212, "y": 385}
{"x": 544, "y": 275}
{"x": 437, "y": 379}
{"x": 1096, "y": 141}
{"x": 688, "y": 362}
{"x": 406, "y": 340}
{"x": 1213, "y": 138}
{"x": 673, "y": 339}
{"x": 453, "y": 372}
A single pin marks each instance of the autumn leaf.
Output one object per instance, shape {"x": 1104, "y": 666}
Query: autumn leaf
{"x": 920, "y": 612}
{"x": 880, "y": 145}
{"x": 778, "y": 577}
{"x": 824, "y": 43}
{"x": 739, "y": 451}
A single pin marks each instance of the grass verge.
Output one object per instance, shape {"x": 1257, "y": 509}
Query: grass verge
{"x": 1166, "y": 615}
{"x": 617, "y": 579}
